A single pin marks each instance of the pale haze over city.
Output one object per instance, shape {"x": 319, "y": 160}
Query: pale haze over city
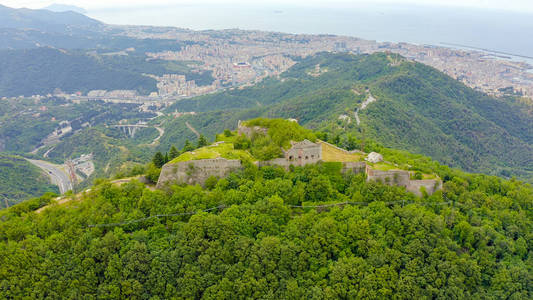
{"x": 518, "y": 5}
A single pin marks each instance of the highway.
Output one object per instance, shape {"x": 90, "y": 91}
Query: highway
{"x": 57, "y": 176}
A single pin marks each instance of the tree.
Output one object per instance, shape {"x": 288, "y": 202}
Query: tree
{"x": 152, "y": 172}
{"x": 319, "y": 189}
{"x": 158, "y": 160}
{"x": 227, "y": 132}
{"x": 187, "y": 147}
{"x": 211, "y": 182}
{"x": 242, "y": 142}
{"x": 173, "y": 153}
{"x": 202, "y": 141}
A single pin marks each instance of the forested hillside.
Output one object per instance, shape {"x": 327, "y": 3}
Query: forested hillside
{"x": 25, "y": 72}
{"x": 267, "y": 233}
{"x": 20, "y": 180}
{"x": 418, "y": 109}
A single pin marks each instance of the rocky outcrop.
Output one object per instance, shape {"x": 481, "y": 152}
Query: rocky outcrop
{"x": 374, "y": 157}
{"x": 196, "y": 171}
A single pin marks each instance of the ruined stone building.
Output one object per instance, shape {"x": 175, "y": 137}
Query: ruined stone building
{"x": 303, "y": 153}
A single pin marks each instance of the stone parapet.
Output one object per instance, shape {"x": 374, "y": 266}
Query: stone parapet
{"x": 354, "y": 167}
{"x": 392, "y": 177}
{"x": 196, "y": 171}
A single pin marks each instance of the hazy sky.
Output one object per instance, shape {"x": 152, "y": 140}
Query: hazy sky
{"x": 516, "y": 5}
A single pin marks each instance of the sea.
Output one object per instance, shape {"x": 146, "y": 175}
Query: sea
{"x": 502, "y": 33}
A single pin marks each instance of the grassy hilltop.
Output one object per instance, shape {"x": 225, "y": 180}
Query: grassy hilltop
{"x": 418, "y": 109}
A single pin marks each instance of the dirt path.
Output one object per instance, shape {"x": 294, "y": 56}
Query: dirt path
{"x": 368, "y": 100}
{"x": 192, "y": 129}
{"x": 356, "y": 115}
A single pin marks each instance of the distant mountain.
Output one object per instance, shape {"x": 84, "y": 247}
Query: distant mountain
{"x": 30, "y": 28}
{"x": 46, "y": 20}
{"x": 56, "y": 7}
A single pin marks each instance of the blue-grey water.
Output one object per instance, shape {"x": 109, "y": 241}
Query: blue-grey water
{"x": 503, "y": 31}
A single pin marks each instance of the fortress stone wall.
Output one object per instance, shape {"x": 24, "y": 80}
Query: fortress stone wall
{"x": 392, "y": 177}
{"x": 281, "y": 162}
{"x": 300, "y": 154}
{"x": 197, "y": 171}
{"x": 430, "y": 185}
{"x": 402, "y": 178}
{"x": 355, "y": 167}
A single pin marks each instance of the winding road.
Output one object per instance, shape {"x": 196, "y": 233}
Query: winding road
{"x": 368, "y": 100}
{"x": 161, "y": 132}
{"x": 57, "y": 176}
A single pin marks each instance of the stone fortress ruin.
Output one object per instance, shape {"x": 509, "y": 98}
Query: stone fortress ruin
{"x": 300, "y": 154}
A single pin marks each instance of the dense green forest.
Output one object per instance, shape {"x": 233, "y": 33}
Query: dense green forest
{"x": 24, "y": 72}
{"x": 418, "y": 109}
{"x": 271, "y": 234}
{"x": 139, "y": 64}
{"x": 20, "y": 180}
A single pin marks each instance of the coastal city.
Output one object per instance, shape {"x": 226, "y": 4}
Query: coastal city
{"x": 239, "y": 58}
